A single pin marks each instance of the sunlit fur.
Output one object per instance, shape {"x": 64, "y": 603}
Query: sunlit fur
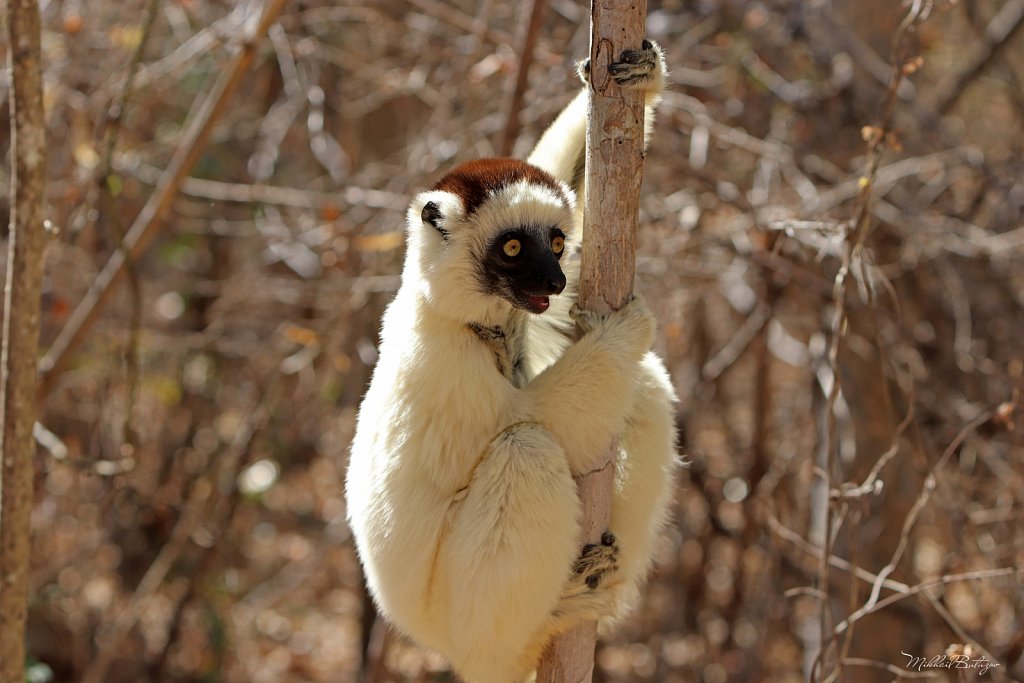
{"x": 460, "y": 486}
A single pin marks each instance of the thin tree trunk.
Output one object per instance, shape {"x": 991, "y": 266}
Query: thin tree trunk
{"x": 26, "y": 240}
{"x": 615, "y": 151}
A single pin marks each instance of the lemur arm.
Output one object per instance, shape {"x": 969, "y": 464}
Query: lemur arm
{"x": 561, "y": 150}
{"x": 579, "y": 398}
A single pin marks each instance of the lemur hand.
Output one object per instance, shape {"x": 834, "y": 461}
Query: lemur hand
{"x": 642, "y": 69}
{"x": 632, "y": 327}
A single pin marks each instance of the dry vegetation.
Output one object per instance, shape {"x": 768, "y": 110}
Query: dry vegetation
{"x": 831, "y": 236}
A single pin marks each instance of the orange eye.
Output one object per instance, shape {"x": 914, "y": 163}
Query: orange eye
{"x": 512, "y": 248}
{"x": 558, "y": 244}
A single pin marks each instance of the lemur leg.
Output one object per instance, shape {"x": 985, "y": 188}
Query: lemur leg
{"x": 508, "y": 548}
{"x": 589, "y": 595}
{"x": 644, "y": 481}
{"x": 645, "y": 474}
{"x": 561, "y": 150}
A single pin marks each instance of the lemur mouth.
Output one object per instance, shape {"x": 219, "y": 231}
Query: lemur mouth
{"x": 537, "y": 304}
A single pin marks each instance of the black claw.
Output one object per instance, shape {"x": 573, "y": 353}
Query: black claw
{"x": 593, "y": 580}
{"x": 607, "y": 538}
{"x": 588, "y": 549}
{"x": 647, "y": 45}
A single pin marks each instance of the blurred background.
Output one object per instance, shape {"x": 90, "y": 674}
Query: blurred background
{"x": 831, "y": 237}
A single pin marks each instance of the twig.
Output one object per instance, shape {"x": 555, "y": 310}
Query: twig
{"x": 871, "y": 484}
{"x": 956, "y": 627}
{"x": 221, "y": 490}
{"x": 1004, "y": 25}
{"x": 911, "y": 519}
{"x": 460, "y": 20}
{"x": 877, "y": 140}
{"x": 148, "y": 222}
{"x": 102, "y": 194}
{"x": 796, "y": 539}
{"x": 219, "y": 518}
{"x": 980, "y": 575}
{"x": 273, "y": 194}
{"x": 115, "y": 121}
{"x": 26, "y": 241}
{"x": 375, "y": 658}
{"x": 726, "y": 356}
{"x": 225, "y": 30}
{"x": 514, "y": 100}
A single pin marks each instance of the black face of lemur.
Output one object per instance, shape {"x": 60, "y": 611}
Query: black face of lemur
{"x": 521, "y": 266}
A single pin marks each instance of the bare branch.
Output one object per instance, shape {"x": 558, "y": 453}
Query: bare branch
{"x": 514, "y": 101}
{"x": 998, "y": 34}
{"x": 220, "y": 488}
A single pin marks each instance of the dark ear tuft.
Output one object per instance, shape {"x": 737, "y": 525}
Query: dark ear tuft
{"x": 432, "y": 214}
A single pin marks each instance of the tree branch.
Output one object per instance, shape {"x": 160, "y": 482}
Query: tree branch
{"x": 26, "y": 241}
{"x": 615, "y": 152}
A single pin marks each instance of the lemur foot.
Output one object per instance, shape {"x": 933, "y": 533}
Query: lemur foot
{"x": 596, "y": 561}
{"x": 592, "y": 590}
{"x": 643, "y": 69}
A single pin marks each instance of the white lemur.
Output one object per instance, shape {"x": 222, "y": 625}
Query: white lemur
{"x": 481, "y": 410}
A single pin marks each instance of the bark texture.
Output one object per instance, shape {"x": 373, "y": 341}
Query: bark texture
{"x": 26, "y": 240}
{"x": 615, "y": 154}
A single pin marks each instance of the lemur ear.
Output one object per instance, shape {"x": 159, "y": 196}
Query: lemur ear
{"x": 432, "y": 214}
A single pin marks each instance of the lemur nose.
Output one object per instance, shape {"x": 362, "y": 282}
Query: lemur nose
{"x": 556, "y": 283}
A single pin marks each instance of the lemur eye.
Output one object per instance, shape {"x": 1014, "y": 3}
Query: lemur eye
{"x": 512, "y": 248}
{"x": 558, "y": 244}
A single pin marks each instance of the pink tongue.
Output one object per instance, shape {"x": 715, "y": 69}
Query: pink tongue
{"x": 539, "y": 302}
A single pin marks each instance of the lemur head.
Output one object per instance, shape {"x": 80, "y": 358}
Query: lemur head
{"x": 490, "y": 235}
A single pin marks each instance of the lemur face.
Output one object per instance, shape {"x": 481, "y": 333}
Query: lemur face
{"x": 511, "y": 221}
{"x": 521, "y": 266}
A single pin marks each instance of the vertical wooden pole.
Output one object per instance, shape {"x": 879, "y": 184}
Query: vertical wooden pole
{"x": 26, "y": 240}
{"x": 615, "y": 154}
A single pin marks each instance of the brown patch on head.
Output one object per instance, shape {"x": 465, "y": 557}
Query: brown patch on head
{"x": 474, "y": 181}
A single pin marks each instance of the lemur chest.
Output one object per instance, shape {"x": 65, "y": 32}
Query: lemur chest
{"x": 507, "y": 344}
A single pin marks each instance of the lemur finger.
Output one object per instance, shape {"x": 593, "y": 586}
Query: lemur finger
{"x": 637, "y": 67}
{"x": 635, "y": 71}
{"x": 595, "y": 562}
{"x": 587, "y": 321}
{"x": 596, "y": 558}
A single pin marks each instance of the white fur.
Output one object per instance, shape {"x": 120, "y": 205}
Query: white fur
{"x": 460, "y": 485}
